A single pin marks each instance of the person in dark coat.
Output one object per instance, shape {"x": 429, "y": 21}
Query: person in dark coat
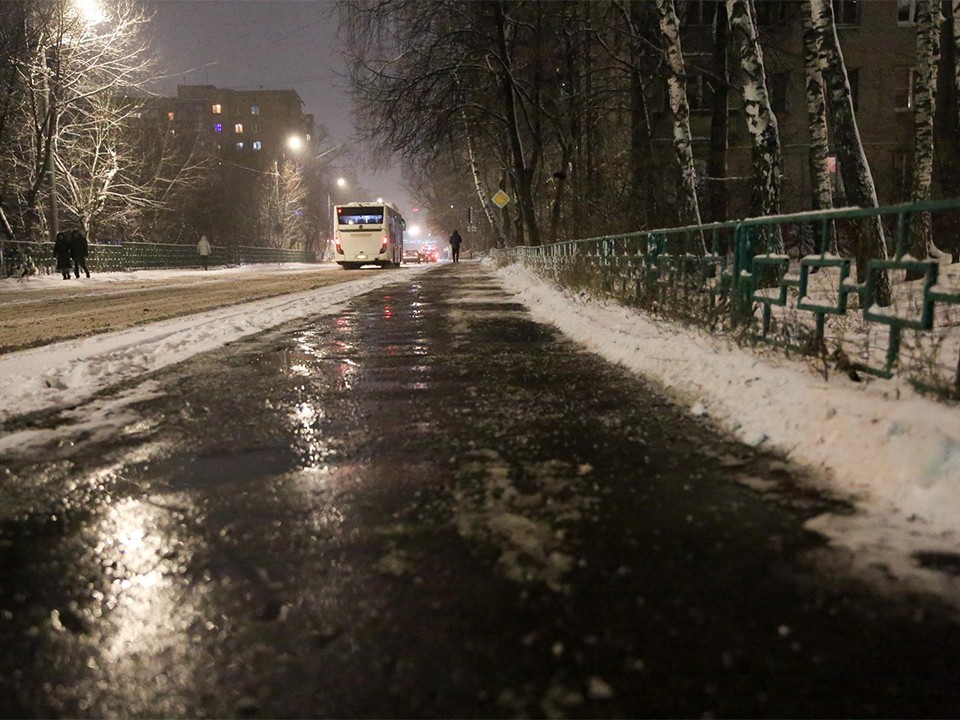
{"x": 455, "y": 241}
{"x": 61, "y": 251}
{"x": 78, "y": 252}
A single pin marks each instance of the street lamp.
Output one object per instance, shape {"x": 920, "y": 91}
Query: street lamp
{"x": 341, "y": 183}
{"x": 91, "y": 14}
{"x": 294, "y": 143}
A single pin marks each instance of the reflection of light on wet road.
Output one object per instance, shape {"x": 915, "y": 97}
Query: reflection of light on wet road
{"x": 142, "y": 563}
{"x": 307, "y": 418}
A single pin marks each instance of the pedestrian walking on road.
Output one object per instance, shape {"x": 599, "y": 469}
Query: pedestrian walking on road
{"x": 455, "y": 241}
{"x": 203, "y": 248}
{"x": 61, "y": 251}
{"x": 78, "y": 252}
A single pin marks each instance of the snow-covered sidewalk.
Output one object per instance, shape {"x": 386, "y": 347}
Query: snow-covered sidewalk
{"x": 892, "y": 452}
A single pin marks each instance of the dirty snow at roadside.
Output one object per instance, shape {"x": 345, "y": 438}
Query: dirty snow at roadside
{"x": 67, "y": 373}
{"x": 878, "y": 444}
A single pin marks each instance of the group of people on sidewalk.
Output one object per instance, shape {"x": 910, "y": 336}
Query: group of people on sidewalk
{"x": 70, "y": 249}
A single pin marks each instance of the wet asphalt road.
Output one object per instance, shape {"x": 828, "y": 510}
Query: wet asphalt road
{"x": 429, "y": 505}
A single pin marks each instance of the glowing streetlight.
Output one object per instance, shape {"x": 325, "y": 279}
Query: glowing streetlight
{"x": 414, "y": 230}
{"x": 294, "y": 142}
{"x": 328, "y": 243}
{"x": 90, "y": 11}
{"x": 91, "y": 14}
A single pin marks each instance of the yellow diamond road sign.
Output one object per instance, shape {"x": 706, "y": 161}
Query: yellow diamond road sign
{"x": 500, "y": 199}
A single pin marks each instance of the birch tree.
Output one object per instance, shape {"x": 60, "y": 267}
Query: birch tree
{"x": 760, "y": 119}
{"x": 821, "y": 195}
{"x": 927, "y": 18}
{"x": 70, "y": 72}
{"x": 677, "y": 87}
{"x": 857, "y": 180}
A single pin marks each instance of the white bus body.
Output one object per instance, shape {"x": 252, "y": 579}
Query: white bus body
{"x": 368, "y": 233}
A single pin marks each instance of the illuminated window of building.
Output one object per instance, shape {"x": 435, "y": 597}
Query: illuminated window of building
{"x": 218, "y": 127}
{"x": 257, "y": 145}
{"x": 254, "y": 109}
{"x": 239, "y": 146}
{"x": 170, "y": 116}
{"x": 238, "y": 128}
{"x": 216, "y": 109}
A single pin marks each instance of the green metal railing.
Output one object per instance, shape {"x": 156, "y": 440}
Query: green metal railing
{"x": 145, "y": 256}
{"x": 736, "y": 276}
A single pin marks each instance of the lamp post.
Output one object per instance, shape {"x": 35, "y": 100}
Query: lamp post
{"x": 294, "y": 143}
{"x": 341, "y": 183}
{"x": 90, "y": 13}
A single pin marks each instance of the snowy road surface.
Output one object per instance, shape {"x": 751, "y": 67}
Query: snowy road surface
{"x": 423, "y": 502}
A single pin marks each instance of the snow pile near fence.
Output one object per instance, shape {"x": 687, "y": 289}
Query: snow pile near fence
{"x": 876, "y": 442}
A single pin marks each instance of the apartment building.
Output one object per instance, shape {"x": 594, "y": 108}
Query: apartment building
{"x": 247, "y": 127}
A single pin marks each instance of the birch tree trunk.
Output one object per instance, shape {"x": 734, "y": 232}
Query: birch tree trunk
{"x": 857, "y": 179}
{"x": 927, "y": 17}
{"x": 494, "y": 220}
{"x": 761, "y": 122}
{"x": 677, "y": 86}
{"x": 955, "y": 12}
{"x": 521, "y": 173}
{"x": 820, "y": 191}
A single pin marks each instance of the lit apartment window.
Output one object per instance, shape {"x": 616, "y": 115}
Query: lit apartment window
{"x": 254, "y": 109}
{"x": 257, "y": 145}
{"x": 238, "y": 128}
{"x": 846, "y": 12}
{"x": 903, "y": 89}
{"x": 905, "y": 11}
{"x": 239, "y": 146}
{"x": 218, "y": 127}
{"x": 216, "y": 109}
{"x": 170, "y": 116}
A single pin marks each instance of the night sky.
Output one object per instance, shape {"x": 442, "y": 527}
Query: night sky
{"x": 277, "y": 44}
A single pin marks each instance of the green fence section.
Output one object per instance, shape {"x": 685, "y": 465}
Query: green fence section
{"x": 144, "y": 256}
{"x": 791, "y": 281}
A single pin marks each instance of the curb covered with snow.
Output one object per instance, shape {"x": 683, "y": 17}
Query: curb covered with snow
{"x": 878, "y": 441}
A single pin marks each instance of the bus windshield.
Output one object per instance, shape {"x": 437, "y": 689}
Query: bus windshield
{"x": 370, "y": 215}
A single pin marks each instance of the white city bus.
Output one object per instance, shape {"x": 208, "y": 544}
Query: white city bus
{"x": 368, "y": 233}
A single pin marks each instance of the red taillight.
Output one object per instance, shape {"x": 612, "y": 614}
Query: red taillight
{"x": 339, "y": 248}
{"x": 386, "y": 241}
